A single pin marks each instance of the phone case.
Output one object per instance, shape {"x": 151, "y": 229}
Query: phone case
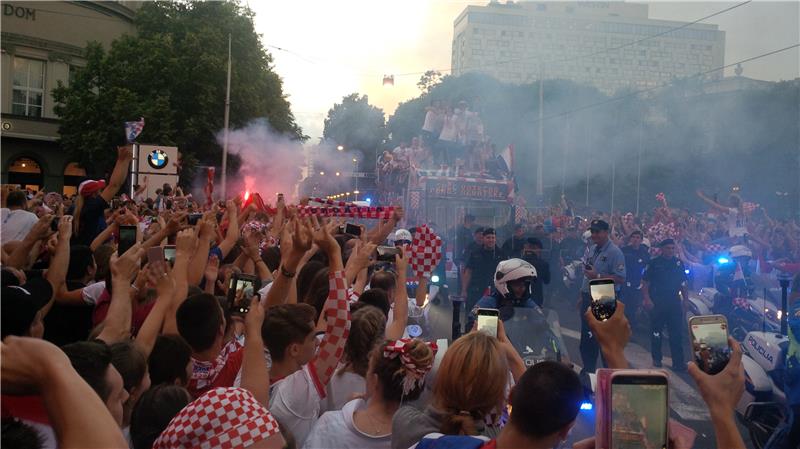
{"x": 603, "y": 405}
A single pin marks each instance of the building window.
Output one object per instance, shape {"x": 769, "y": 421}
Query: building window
{"x": 28, "y": 87}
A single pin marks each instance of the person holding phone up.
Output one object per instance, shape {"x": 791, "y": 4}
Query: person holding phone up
{"x": 603, "y": 259}
{"x": 664, "y": 279}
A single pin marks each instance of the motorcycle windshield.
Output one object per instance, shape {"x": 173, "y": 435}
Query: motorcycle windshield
{"x": 536, "y": 335}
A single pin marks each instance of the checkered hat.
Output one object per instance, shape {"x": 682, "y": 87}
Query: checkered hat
{"x": 221, "y": 418}
{"x": 426, "y": 251}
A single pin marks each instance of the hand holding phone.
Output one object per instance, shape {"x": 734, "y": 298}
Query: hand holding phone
{"x": 488, "y": 321}
{"x": 387, "y": 253}
{"x": 241, "y": 290}
{"x": 604, "y": 298}
{"x": 155, "y": 257}
{"x": 635, "y": 409}
{"x": 709, "y": 337}
{"x": 352, "y": 229}
{"x": 127, "y": 238}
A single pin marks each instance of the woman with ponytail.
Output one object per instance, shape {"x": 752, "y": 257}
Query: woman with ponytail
{"x": 396, "y": 374}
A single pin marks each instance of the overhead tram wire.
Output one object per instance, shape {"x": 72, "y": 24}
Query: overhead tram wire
{"x": 660, "y": 86}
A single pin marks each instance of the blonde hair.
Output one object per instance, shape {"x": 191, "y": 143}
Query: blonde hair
{"x": 470, "y": 383}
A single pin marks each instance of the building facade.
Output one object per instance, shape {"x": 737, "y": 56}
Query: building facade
{"x": 525, "y": 41}
{"x": 42, "y": 45}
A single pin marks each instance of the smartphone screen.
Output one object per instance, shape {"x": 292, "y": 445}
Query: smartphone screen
{"x": 194, "y": 218}
{"x": 169, "y": 253}
{"x": 127, "y": 238}
{"x": 155, "y": 257}
{"x": 487, "y": 321}
{"x": 352, "y": 229}
{"x": 639, "y": 412}
{"x": 241, "y": 289}
{"x": 604, "y": 298}
{"x": 710, "y": 342}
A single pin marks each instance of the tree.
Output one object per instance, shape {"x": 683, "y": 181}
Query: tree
{"x": 356, "y": 125}
{"x": 429, "y": 79}
{"x": 172, "y": 72}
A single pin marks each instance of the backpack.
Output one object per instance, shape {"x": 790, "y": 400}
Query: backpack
{"x": 451, "y": 442}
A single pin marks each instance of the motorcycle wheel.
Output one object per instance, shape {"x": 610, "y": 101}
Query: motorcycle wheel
{"x": 762, "y": 426}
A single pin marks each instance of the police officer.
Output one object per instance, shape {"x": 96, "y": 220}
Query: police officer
{"x": 603, "y": 259}
{"x": 479, "y": 272}
{"x": 637, "y": 255}
{"x": 663, "y": 280}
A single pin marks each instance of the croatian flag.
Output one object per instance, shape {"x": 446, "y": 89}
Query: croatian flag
{"x": 133, "y": 129}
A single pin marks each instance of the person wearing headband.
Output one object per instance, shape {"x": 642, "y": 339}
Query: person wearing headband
{"x": 396, "y": 374}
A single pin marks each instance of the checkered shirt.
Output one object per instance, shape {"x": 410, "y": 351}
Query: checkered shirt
{"x": 426, "y": 251}
{"x": 221, "y": 418}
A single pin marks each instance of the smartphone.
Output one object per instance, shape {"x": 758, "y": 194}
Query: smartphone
{"x": 169, "y": 254}
{"x": 352, "y": 229}
{"x": 155, "y": 257}
{"x": 604, "y": 298}
{"x": 115, "y": 204}
{"x": 487, "y": 321}
{"x": 387, "y": 253}
{"x": 639, "y": 409}
{"x": 709, "y": 336}
{"x": 54, "y": 224}
{"x": 241, "y": 289}
{"x": 127, "y": 238}
{"x": 194, "y": 218}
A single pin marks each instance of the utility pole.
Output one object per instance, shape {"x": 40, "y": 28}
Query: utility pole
{"x": 227, "y": 117}
{"x": 639, "y": 165}
{"x": 540, "y": 158}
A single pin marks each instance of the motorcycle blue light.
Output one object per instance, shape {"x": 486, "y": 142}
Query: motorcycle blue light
{"x": 723, "y": 260}
{"x": 434, "y": 278}
{"x": 586, "y": 405}
{"x": 686, "y": 271}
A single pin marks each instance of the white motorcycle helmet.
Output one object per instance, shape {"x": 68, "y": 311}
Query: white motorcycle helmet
{"x": 740, "y": 251}
{"x": 401, "y": 236}
{"x": 512, "y": 270}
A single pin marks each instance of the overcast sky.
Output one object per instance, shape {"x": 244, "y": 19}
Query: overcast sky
{"x": 334, "y": 48}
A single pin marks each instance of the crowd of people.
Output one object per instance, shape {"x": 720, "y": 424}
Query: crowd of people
{"x": 105, "y": 347}
{"x": 451, "y": 140}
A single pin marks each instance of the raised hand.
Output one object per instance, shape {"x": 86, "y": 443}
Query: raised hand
{"x": 127, "y": 265}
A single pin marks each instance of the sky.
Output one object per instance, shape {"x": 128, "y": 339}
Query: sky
{"x": 325, "y": 50}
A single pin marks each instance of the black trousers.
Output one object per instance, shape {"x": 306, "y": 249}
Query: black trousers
{"x": 667, "y": 314}
{"x": 589, "y": 347}
{"x": 632, "y": 298}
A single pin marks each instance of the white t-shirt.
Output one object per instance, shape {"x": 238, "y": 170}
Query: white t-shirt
{"x": 341, "y": 388}
{"x": 336, "y": 430}
{"x": 433, "y": 120}
{"x": 16, "y": 224}
{"x": 449, "y": 131}
{"x": 91, "y": 293}
{"x": 736, "y": 227}
{"x": 295, "y": 401}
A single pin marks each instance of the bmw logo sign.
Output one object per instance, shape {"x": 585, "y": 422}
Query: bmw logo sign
{"x": 157, "y": 159}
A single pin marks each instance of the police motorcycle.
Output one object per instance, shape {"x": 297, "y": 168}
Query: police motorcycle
{"x": 763, "y": 405}
{"x": 733, "y": 296}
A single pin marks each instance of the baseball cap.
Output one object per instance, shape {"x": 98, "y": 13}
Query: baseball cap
{"x": 666, "y": 242}
{"x": 598, "y": 225}
{"x": 90, "y": 186}
{"x": 19, "y": 305}
{"x": 488, "y": 231}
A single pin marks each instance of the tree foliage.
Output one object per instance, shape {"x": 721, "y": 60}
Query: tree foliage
{"x": 172, "y": 73}
{"x": 357, "y": 125}
{"x": 429, "y": 79}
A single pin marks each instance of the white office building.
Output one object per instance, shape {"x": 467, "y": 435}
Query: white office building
{"x": 516, "y": 42}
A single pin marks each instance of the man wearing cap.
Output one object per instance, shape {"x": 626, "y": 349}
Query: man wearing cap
{"x": 664, "y": 279}
{"x": 513, "y": 246}
{"x": 479, "y": 271}
{"x": 94, "y": 197}
{"x": 603, "y": 259}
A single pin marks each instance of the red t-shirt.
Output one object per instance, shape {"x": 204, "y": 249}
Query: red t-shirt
{"x": 221, "y": 372}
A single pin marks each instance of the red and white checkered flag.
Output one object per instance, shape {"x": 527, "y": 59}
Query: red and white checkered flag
{"x": 426, "y": 251}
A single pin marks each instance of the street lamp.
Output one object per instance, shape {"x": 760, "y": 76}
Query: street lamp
{"x": 337, "y": 173}
{"x": 355, "y": 178}
{"x": 322, "y": 173}
{"x": 340, "y": 147}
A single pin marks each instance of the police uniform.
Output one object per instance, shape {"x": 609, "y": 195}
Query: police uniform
{"x": 636, "y": 260}
{"x": 666, "y": 278}
{"x": 482, "y": 263}
{"x": 607, "y": 260}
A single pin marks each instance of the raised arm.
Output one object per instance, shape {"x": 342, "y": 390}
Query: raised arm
{"x": 296, "y": 240}
{"x": 397, "y": 327}
{"x": 612, "y": 336}
{"x": 422, "y": 290}
{"x": 117, "y": 325}
{"x": 184, "y": 247}
{"x": 124, "y": 157}
{"x": 711, "y": 202}
{"x": 77, "y": 414}
{"x": 57, "y": 271}
{"x": 18, "y": 258}
{"x": 255, "y": 374}
{"x": 151, "y": 328}
{"x": 336, "y": 310}
{"x": 232, "y": 234}
{"x": 206, "y": 230}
